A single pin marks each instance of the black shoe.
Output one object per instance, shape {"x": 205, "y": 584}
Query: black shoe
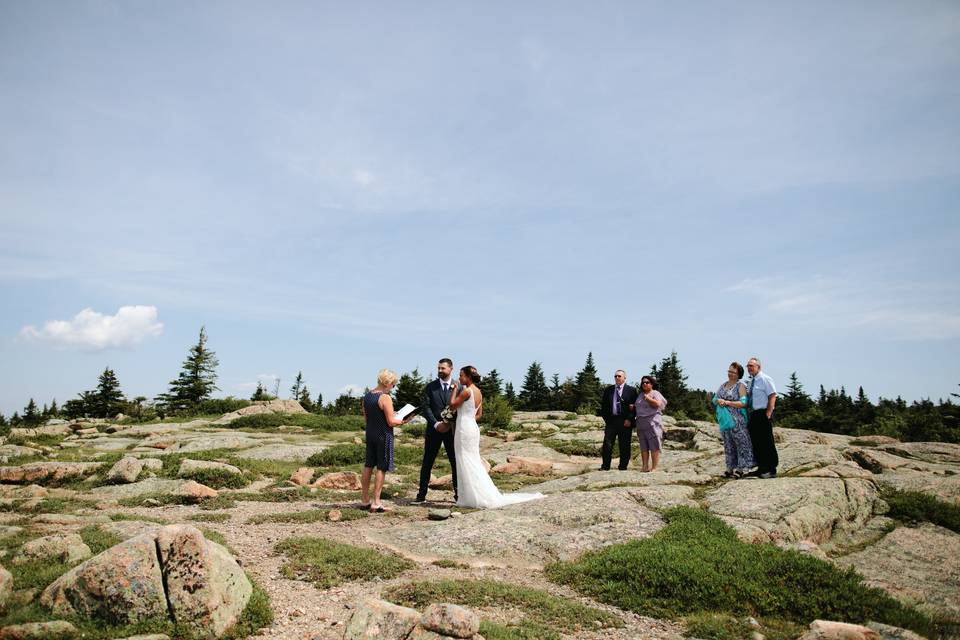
{"x": 768, "y": 475}
{"x": 420, "y": 498}
{"x": 621, "y": 468}
{"x": 753, "y": 474}
{"x": 729, "y": 474}
{"x": 604, "y": 468}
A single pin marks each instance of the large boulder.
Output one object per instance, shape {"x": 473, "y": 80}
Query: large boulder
{"x": 830, "y": 630}
{"x": 6, "y": 588}
{"x": 192, "y": 467}
{"x": 65, "y": 547}
{"x": 125, "y": 470}
{"x": 47, "y": 471}
{"x": 206, "y": 588}
{"x": 53, "y": 630}
{"x": 450, "y": 620}
{"x": 268, "y": 406}
{"x": 124, "y": 584}
{"x": 195, "y": 492}
{"x": 372, "y": 618}
{"x": 171, "y": 572}
{"x": 343, "y": 480}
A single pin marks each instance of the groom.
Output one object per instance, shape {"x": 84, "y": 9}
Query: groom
{"x": 435, "y": 398}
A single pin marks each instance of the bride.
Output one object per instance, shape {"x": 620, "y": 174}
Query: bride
{"x": 475, "y": 487}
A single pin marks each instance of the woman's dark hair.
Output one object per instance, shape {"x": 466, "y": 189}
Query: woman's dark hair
{"x": 471, "y": 372}
{"x": 653, "y": 381}
{"x": 739, "y": 367}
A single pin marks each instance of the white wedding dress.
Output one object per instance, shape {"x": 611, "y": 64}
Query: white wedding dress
{"x": 474, "y": 486}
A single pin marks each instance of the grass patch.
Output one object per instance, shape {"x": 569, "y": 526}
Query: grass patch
{"x": 574, "y": 447}
{"x": 222, "y": 501}
{"x": 97, "y": 539}
{"x": 326, "y": 563}
{"x": 209, "y": 517}
{"x": 118, "y": 517}
{"x": 414, "y": 430}
{"x": 308, "y": 421}
{"x": 524, "y": 631}
{"x": 50, "y": 505}
{"x": 696, "y": 564}
{"x": 302, "y": 517}
{"x": 542, "y": 611}
{"x": 219, "y": 478}
{"x": 443, "y": 563}
{"x": 349, "y": 454}
{"x": 916, "y": 506}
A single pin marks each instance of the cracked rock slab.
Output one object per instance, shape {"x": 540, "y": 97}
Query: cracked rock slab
{"x": 530, "y": 534}
{"x": 793, "y": 509}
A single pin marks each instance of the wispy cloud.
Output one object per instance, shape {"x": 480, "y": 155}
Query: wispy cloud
{"x": 90, "y": 330}
{"x": 893, "y": 311}
{"x": 351, "y": 389}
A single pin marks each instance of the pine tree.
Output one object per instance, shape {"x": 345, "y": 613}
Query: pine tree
{"x": 822, "y": 398}
{"x": 15, "y": 419}
{"x": 318, "y": 403}
{"x": 534, "y": 394}
{"x": 865, "y": 411}
{"x": 588, "y": 388}
{"x": 305, "y": 401}
{"x": 54, "y": 409}
{"x": 297, "y": 385}
{"x": 555, "y": 385}
{"x": 409, "y": 389}
{"x": 795, "y": 401}
{"x": 260, "y": 393}
{"x": 108, "y": 397}
{"x": 672, "y": 382}
{"x": 490, "y": 385}
{"x": 3, "y": 421}
{"x": 31, "y": 416}
{"x": 510, "y": 395}
{"x": 196, "y": 382}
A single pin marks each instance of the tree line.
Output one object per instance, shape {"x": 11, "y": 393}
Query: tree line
{"x": 832, "y": 411}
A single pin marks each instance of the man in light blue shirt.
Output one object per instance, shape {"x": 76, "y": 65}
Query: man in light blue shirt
{"x": 762, "y": 397}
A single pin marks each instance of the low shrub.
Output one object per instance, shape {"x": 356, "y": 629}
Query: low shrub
{"x": 348, "y": 454}
{"x": 326, "y": 563}
{"x": 415, "y": 429}
{"x": 696, "y": 564}
{"x": 303, "y": 517}
{"x": 219, "y": 478}
{"x": 497, "y": 413}
{"x": 916, "y": 506}
{"x": 574, "y": 447}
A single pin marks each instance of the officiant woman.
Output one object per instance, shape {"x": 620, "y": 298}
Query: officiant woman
{"x": 379, "y": 415}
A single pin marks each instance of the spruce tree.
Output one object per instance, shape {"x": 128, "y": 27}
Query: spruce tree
{"x": 31, "y": 416}
{"x": 3, "y": 421}
{"x": 54, "y": 409}
{"x": 409, "y": 389}
{"x": 15, "y": 419}
{"x": 196, "y": 382}
{"x": 260, "y": 393}
{"x": 588, "y": 388}
{"x": 510, "y": 395}
{"x": 795, "y": 401}
{"x": 491, "y": 386}
{"x": 534, "y": 394}
{"x": 304, "y": 399}
{"x": 108, "y": 397}
{"x": 297, "y": 386}
{"x": 672, "y": 382}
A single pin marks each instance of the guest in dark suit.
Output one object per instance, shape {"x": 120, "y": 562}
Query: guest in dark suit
{"x": 435, "y": 398}
{"x": 617, "y": 410}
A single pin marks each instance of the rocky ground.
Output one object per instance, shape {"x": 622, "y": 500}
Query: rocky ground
{"x": 827, "y": 502}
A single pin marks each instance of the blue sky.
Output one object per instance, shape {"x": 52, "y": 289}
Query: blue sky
{"x": 340, "y": 187}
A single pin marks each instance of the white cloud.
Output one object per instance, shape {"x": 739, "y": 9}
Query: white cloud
{"x": 267, "y": 380}
{"x": 95, "y": 331}
{"x": 351, "y": 389}
{"x": 363, "y": 177}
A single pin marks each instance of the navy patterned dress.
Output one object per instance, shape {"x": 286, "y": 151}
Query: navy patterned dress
{"x": 737, "y": 450}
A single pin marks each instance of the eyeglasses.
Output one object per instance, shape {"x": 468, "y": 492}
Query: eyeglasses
{"x": 646, "y": 382}
{"x": 618, "y": 376}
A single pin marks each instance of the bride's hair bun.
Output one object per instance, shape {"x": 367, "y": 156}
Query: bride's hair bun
{"x": 471, "y": 372}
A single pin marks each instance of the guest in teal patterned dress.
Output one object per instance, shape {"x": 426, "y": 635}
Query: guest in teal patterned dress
{"x": 731, "y": 401}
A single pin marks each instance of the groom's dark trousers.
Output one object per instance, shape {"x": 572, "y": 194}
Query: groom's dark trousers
{"x": 434, "y": 400}
{"x": 614, "y": 430}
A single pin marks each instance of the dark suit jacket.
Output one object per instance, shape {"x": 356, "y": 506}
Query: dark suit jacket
{"x": 627, "y": 397}
{"x": 433, "y": 402}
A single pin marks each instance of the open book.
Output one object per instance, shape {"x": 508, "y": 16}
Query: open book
{"x": 404, "y": 412}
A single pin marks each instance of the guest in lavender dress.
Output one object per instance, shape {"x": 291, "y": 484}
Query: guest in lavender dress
{"x": 731, "y": 402}
{"x": 650, "y": 406}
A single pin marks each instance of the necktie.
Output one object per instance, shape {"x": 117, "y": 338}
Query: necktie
{"x": 445, "y": 391}
{"x": 753, "y": 381}
{"x": 616, "y": 401}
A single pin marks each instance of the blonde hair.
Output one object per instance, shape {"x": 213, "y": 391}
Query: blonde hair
{"x": 386, "y": 377}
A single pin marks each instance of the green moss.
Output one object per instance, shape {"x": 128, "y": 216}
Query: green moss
{"x": 308, "y": 421}
{"x": 574, "y": 447}
{"x": 696, "y": 564}
{"x": 315, "y": 515}
{"x": 326, "y": 563}
{"x": 350, "y": 454}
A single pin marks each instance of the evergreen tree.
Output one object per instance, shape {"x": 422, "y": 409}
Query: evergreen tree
{"x": 3, "y": 421}
{"x": 196, "y": 382}
{"x": 555, "y": 385}
{"x": 31, "y": 416}
{"x": 588, "y": 388}
{"x": 672, "y": 383}
{"x": 4, "y": 425}
{"x": 305, "y": 401}
{"x": 260, "y": 393}
{"x": 510, "y": 395}
{"x": 297, "y": 386}
{"x": 864, "y": 409}
{"x": 108, "y": 397}
{"x": 822, "y": 398}
{"x": 534, "y": 394}
{"x": 15, "y": 419}
{"x": 54, "y": 409}
{"x": 346, "y": 405}
{"x": 491, "y": 386}
{"x": 409, "y": 389}
{"x": 795, "y": 401}
{"x": 318, "y": 403}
